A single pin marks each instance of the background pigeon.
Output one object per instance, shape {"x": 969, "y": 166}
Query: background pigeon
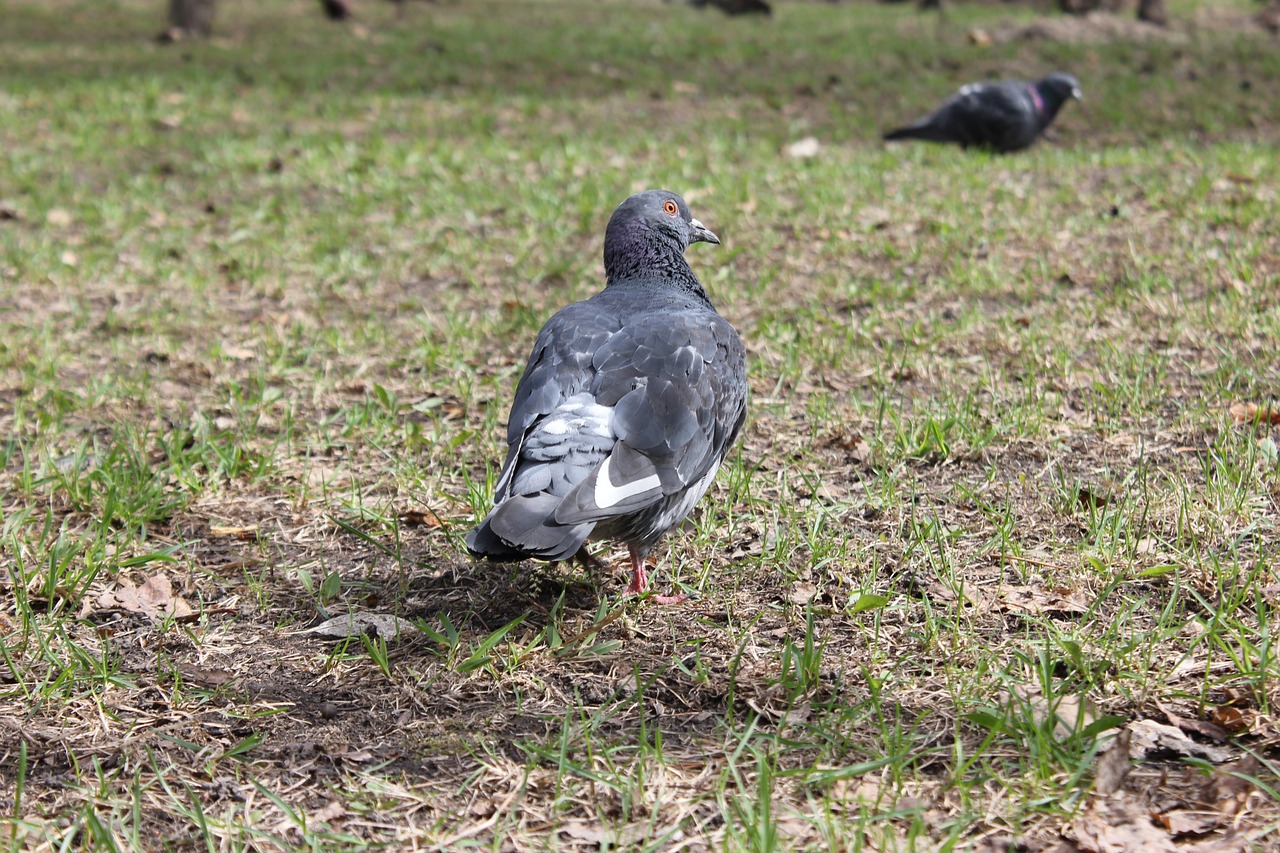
{"x": 628, "y": 404}
{"x": 1006, "y": 116}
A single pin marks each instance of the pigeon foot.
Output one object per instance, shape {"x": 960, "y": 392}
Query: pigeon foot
{"x": 640, "y": 581}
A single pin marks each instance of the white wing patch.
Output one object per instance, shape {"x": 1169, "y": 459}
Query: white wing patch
{"x": 607, "y": 494}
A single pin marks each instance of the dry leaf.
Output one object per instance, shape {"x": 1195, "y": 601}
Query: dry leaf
{"x": 382, "y": 625}
{"x": 203, "y": 676}
{"x": 1213, "y": 731}
{"x": 1231, "y": 719}
{"x": 802, "y": 593}
{"x": 1034, "y": 599}
{"x": 1243, "y": 413}
{"x": 1119, "y": 826}
{"x": 329, "y": 811}
{"x": 1113, "y": 765}
{"x": 1070, "y": 713}
{"x": 250, "y": 532}
{"x": 979, "y": 37}
{"x": 857, "y": 447}
{"x": 421, "y": 518}
{"x": 803, "y": 148}
{"x": 154, "y": 599}
{"x": 58, "y": 217}
{"x": 1157, "y": 740}
{"x": 1182, "y": 823}
{"x": 1227, "y": 791}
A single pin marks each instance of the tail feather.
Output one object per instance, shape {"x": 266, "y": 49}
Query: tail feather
{"x": 525, "y": 526}
{"x": 928, "y": 132}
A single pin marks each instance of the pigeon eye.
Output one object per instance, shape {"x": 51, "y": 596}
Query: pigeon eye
{"x": 670, "y": 207}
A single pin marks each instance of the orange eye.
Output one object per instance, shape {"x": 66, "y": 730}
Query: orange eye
{"x": 670, "y": 207}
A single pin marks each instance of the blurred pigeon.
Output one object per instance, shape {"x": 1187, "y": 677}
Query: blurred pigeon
{"x": 1006, "y": 116}
{"x": 628, "y": 404}
{"x": 735, "y": 7}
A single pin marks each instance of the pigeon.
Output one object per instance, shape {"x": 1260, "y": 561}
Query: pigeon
{"x": 627, "y": 406}
{"x": 1005, "y": 116}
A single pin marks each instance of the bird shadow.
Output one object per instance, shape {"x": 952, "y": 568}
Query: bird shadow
{"x": 487, "y": 596}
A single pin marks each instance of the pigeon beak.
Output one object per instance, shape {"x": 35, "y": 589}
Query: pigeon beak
{"x": 1077, "y": 94}
{"x": 701, "y": 233}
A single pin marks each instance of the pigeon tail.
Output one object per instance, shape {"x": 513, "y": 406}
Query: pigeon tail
{"x": 926, "y": 132}
{"x": 524, "y": 526}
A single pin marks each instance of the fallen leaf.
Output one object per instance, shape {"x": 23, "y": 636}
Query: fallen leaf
{"x": 154, "y": 599}
{"x": 1118, "y": 826}
{"x": 1113, "y": 765}
{"x": 604, "y": 837}
{"x": 803, "y": 148}
{"x": 1243, "y": 413}
{"x": 421, "y": 518}
{"x": 1228, "y": 791}
{"x": 382, "y": 625}
{"x": 250, "y": 532}
{"x": 203, "y": 676}
{"x": 802, "y": 593}
{"x": 1090, "y": 498}
{"x": 979, "y": 37}
{"x": 1157, "y": 740}
{"x": 1034, "y": 599}
{"x": 857, "y": 447}
{"x": 1070, "y": 713}
{"x": 329, "y": 811}
{"x": 237, "y": 353}
{"x": 58, "y": 217}
{"x": 1214, "y": 731}
{"x": 1182, "y": 823}
{"x": 1230, "y": 719}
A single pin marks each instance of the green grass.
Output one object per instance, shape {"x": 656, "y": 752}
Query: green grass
{"x": 263, "y": 302}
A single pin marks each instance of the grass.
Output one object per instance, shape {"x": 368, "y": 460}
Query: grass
{"x": 264, "y": 303}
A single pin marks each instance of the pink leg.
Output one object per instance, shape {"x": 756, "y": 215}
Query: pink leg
{"x": 640, "y": 580}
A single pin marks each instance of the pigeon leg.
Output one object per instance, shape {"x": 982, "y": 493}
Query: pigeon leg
{"x": 640, "y": 580}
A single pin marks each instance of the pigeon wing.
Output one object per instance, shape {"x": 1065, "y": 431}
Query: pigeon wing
{"x": 677, "y": 386}
{"x": 993, "y": 115}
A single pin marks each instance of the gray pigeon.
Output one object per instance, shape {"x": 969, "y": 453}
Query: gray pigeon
{"x": 628, "y": 404}
{"x": 1006, "y": 116}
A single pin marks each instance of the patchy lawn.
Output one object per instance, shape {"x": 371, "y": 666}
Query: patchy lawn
{"x": 995, "y": 566}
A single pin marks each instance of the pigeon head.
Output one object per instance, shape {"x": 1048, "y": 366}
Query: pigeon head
{"x": 1057, "y": 88}
{"x": 648, "y": 234}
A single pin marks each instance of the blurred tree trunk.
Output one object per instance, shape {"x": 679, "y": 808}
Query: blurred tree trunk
{"x": 192, "y": 17}
{"x": 1153, "y": 12}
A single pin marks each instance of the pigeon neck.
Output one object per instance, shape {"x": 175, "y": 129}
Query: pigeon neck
{"x": 1036, "y": 98}
{"x": 647, "y": 262}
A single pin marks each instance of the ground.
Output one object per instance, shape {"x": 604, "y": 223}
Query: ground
{"x": 994, "y": 566}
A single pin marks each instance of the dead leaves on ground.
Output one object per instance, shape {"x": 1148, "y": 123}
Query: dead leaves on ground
{"x": 1122, "y": 816}
{"x": 1252, "y": 413}
{"x": 154, "y": 599}
{"x": 383, "y": 625}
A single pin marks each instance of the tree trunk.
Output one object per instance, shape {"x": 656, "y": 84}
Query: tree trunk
{"x": 192, "y": 17}
{"x": 1153, "y": 12}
